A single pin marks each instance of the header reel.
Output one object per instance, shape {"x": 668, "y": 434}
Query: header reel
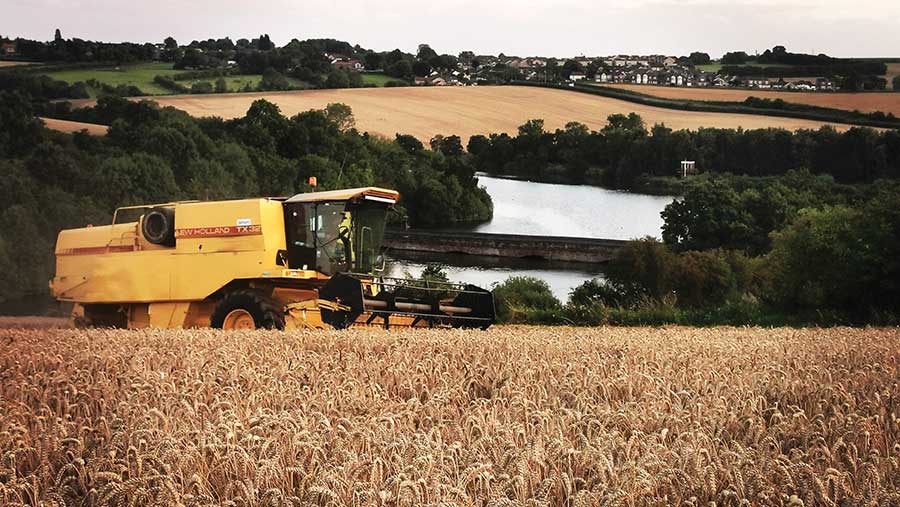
{"x": 390, "y": 301}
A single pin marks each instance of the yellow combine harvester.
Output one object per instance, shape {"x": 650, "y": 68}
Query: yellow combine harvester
{"x": 307, "y": 261}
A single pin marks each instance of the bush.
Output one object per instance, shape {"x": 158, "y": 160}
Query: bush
{"x": 202, "y": 87}
{"x": 273, "y": 80}
{"x": 170, "y": 84}
{"x": 519, "y": 295}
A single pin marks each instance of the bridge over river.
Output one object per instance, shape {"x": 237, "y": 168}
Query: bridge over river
{"x": 551, "y": 248}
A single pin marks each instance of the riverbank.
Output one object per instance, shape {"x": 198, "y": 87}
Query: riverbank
{"x": 669, "y": 186}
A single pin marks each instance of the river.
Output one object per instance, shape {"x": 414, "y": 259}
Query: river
{"x": 548, "y": 209}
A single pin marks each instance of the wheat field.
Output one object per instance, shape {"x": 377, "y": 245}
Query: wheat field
{"x": 465, "y": 111}
{"x": 512, "y": 416}
{"x": 868, "y": 102}
{"x": 75, "y": 126}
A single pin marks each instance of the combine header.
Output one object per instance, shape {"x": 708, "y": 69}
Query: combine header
{"x": 308, "y": 261}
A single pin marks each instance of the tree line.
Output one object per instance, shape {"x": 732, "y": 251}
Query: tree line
{"x": 80, "y": 50}
{"x": 53, "y": 180}
{"x": 624, "y": 153}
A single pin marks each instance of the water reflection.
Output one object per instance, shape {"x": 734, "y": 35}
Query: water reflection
{"x": 546, "y": 209}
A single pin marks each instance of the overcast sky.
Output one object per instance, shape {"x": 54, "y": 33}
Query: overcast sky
{"x": 514, "y": 27}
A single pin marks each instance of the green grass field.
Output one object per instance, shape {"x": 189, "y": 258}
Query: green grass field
{"x": 376, "y": 79}
{"x": 141, "y": 75}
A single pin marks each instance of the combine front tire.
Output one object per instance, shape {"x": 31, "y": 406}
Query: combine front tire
{"x": 247, "y": 309}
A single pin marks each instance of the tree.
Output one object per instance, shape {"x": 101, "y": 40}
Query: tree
{"x": 341, "y": 115}
{"x": 273, "y": 80}
{"x": 170, "y": 43}
{"x": 735, "y": 58}
{"x": 421, "y": 68}
{"x": 709, "y": 216}
{"x": 337, "y": 78}
{"x": 409, "y": 143}
{"x": 478, "y": 144}
{"x": 449, "y": 145}
{"x": 633, "y": 122}
{"x": 264, "y": 43}
{"x": 698, "y": 58}
{"x": 221, "y": 85}
{"x": 425, "y": 52}
{"x": 401, "y": 70}
{"x": 373, "y": 60}
{"x": 570, "y": 67}
{"x": 895, "y": 83}
{"x": 192, "y": 58}
{"x": 57, "y": 36}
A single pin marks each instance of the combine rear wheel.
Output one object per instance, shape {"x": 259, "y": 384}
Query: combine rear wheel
{"x": 247, "y": 309}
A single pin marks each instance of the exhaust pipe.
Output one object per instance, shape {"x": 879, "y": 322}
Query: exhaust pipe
{"x": 426, "y": 303}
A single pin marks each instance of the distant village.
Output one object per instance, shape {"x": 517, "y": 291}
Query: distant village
{"x": 470, "y": 69}
{"x": 657, "y": 70}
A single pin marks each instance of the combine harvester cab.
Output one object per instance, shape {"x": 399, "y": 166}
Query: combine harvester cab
{"x": 312, "y": 260}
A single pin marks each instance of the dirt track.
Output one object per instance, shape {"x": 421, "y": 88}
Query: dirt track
{"x": 867, "y": 102}
{"x": 464, "y": 111}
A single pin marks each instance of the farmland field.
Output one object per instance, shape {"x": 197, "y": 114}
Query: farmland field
{"x": 74, "y": 126}
{"x": 12, "y": 63}
{"x": 465, "y": 111}
{"x": 887, "y": 102}
{"x": 141, "y": 75}
{"x": 510, "y": 416}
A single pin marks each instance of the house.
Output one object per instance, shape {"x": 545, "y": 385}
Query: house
{"x": 354, "y": 65}
{"x": 676, "y": 80}
{"x": 801, "y": 85}
{"x": 758, "y": 83}
{"x": 602, "y": 77}
{"x": 420, "y": 81}
{"x": 577, "y": 76}
{"x": 670, "y": 61}
{"x": 824, "y": 83}
{"x": 8, "y": 49}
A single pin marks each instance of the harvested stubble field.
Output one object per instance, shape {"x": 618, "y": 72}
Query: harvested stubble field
{"x": 511, "y": 416}
{"x": 464, "y": 111}
{"x": 867, "y": 102}
{"x": 75, "y": 126}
